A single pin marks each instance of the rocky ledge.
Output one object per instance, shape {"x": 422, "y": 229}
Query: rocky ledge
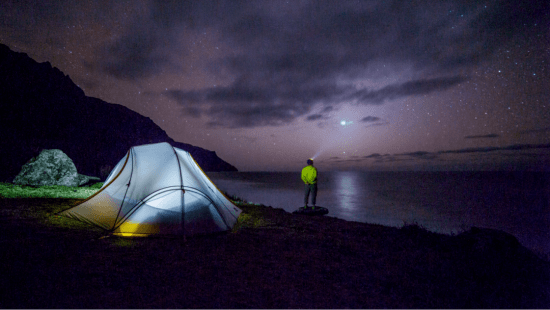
{"x": 271, "y": 259}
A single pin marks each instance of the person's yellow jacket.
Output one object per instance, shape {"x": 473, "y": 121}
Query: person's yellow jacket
{"x": 309, "y": 175}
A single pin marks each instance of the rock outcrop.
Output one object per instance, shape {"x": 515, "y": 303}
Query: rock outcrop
{"x": 51, "y": 167}
{"x": 41, "y": 108}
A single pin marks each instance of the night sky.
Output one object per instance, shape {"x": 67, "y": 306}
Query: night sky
{"x": 374, "y": 85}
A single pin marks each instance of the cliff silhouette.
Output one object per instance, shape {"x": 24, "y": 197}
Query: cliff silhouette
{"x": 41, "y": 108}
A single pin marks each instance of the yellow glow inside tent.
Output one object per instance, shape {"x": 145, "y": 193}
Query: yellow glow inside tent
{"x": 130, "y": 229}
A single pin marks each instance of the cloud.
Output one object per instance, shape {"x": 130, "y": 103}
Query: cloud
{"x": 473, "y": 150}
{"x": 420, "y": 155}
{"x": 314, "y": 117}
{"x": 249, "y": 103}
{"x": 322, "y": 38}
{"x": 534, "y": 157}
{"x": 135, "y": 56}
{"x": 492, "y": 135}
{"x": 476, "y": 158}
{"x": 320, "y": 116}
{"x": 412, "y": 88}
{"x": 373, "y": 121}
{"x": 378, "y": 124}
{"x": 285, "y": 59}
{"x": 492, "y": 149}
{"x": 527, "y": 146}
{"x": 29, "y": 21}
{"x": 370, "y": 119}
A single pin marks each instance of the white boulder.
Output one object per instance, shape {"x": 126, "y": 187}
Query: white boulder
{"x": 51, "y": 167}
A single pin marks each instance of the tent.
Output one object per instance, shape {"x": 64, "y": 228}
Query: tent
{"x": 157, "y": 189}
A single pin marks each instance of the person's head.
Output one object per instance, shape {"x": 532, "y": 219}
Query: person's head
{"x": 310, "y": 161}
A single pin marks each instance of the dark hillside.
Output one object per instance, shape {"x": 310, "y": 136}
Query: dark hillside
{"x": 41, "y": 108}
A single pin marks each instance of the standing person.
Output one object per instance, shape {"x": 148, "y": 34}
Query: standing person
{"x": 309, "y": 176}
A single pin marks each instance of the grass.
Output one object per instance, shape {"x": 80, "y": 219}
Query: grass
{"x": 46, "y": 210}
{"x": 8, "y": 190}
{"x": 271, "y": 259}
{"x": 44, "y": 202}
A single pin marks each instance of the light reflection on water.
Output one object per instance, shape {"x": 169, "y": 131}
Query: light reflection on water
{"x": 359, "y": 197}
{"x": 347, "y": 192}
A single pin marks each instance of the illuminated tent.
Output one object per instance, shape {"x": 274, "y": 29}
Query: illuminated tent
{"x": 157, "y": 189}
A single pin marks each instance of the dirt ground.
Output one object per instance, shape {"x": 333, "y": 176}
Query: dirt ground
{"x": 272, "y": 259}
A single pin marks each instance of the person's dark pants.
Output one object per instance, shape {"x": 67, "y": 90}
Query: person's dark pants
{"x": 311, "y": 188}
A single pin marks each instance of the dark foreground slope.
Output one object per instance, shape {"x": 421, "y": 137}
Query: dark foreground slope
{"x": 272, "y": 259}
{"x": 41, "y": 108}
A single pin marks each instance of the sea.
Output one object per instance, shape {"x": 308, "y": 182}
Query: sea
{"x": 443, "y": 202}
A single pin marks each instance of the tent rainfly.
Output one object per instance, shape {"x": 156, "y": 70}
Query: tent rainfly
{"x": 157, "y": 189}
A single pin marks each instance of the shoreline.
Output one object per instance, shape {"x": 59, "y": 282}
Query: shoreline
{"x": 271, "y": 259}
{"x": 447, "y": 202}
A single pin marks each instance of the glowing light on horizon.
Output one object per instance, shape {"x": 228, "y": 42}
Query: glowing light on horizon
{"x": 345, "y": 123}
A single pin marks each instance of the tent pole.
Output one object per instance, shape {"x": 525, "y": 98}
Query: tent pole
{"x": 130, "y": 153}
{"x": 182, "y": 193}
